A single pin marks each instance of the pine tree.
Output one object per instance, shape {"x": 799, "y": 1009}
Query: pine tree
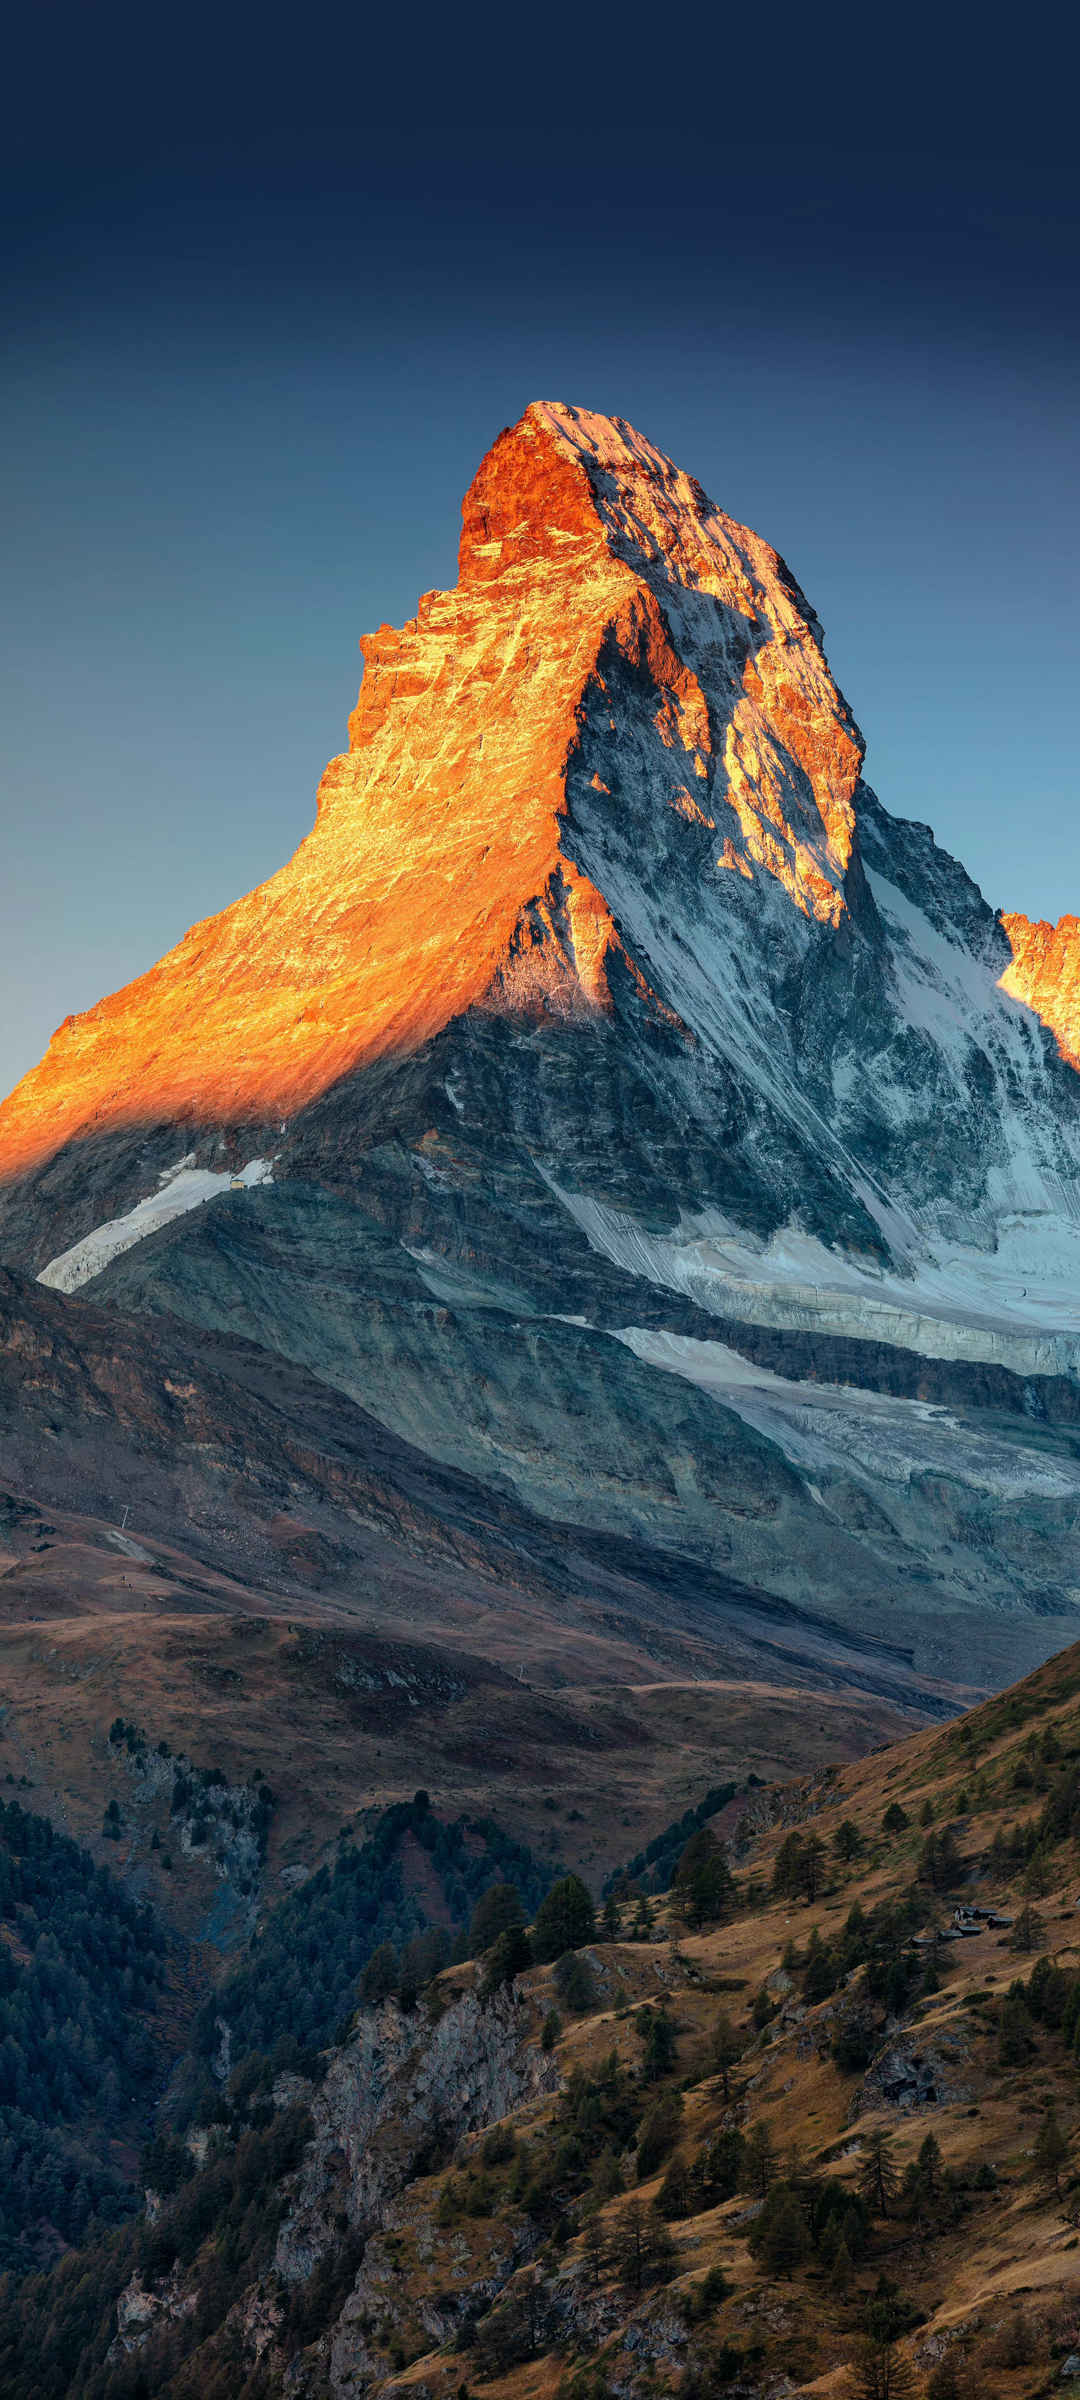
{"x": 785, "y": 2240}
{"x": 509, "y": 1955}
{"x": 608, "y": 2175}
{"x": 703, "y": 1888}
{"x": 497, "y": 1911}
{"x": 1038, "y": 1875}
{"x": 1027, "y": 1933}
{"x": 725, "y": 2051}
{"x": 947, "y": 2381}
{"x": 658, "y": 2034}
{"x": 1015, "y": 2029}
{"x": 881, "y": 2372}
{"x": 758, "y": 2161}
{"x": 594, "y": 2249}
{"x": 929, "y": 2164}
{"x": 787, "y": 1866}
{"x": 1051, "y": 2148}
{"x": 878, "y": 2175}
{"x": 812, "y": 1868}
{"x": 643, "y": 2247}
{"x": 840, "y": 2270}
{"x": 380, "y": 1976}
{"x": 564, "y": 1921}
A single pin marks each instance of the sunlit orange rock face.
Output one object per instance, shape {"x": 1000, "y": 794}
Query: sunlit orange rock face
{"x": 1045, "y": 975}
{"x": 441, "y": 870}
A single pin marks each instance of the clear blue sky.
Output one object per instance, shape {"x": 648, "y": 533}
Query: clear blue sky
{"x": 254, "y": 355}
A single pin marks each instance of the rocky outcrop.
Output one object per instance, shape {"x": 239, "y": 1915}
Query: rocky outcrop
{"x": 397, "y": 2093}
{"x": 909, "y": 2075}
{"x": 396, "y": 2100}
{"x": 1045, "y": 975}
{"x": 141, "y": 2312}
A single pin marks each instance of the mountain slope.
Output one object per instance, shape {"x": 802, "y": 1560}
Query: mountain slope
{"x": 254, "y": 1571}
{"x": 747, "y": 2138}
{"x": 604, "y": 1023}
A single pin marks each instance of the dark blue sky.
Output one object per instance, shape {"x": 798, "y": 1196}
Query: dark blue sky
{"x": 258, "y": 339}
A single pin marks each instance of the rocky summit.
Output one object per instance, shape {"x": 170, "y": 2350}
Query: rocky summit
{"x": 617, "y": 1103}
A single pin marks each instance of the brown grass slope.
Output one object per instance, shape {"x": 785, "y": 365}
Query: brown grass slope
{"x": 794, "y": 2151}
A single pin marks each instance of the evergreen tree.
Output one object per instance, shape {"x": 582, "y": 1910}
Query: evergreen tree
{"x": 658, "y": 2034}
{"x": 881, "y": 2372}
{"x": 379, "y": 1980}
{"x": 659, "y": 2132}
{"x": 594, "y": 2249}
{"x": 564, "y": 1921}
{"x": 878, "y": 2175}
{"x": 784, "y": 2238}
{"x": 675, "y": 2198}
{"x": 812, "y": 1868}
{"x": 947, "y": 2380}
{"x": 1027, "y": 1933}
{"x": 1051, "y": 2148}
{"x": 643, "y": 2247}
{"x": 840, "y": 2270}
{"x": 725, "y": 2051}
{"x": 930, "y": 2164}
{"x": 758, "y": 2161}
{"x": 703, "y": 1887}
{"x": 575, "y": 1982}
{"x": 1015, "y": 2029}
{"x": 607, "y": 2180}
{"x": 508, "y": 1956}
{"x": 939, "y": 1860}
{"x": 497, "y": 1911}
{"x": 787, "y": 1867}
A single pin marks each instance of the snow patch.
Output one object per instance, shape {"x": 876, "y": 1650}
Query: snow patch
{"x": 180, "y": 1188}
{"x": 1017, "y": 1305}
{"x": 828, "y": 1427}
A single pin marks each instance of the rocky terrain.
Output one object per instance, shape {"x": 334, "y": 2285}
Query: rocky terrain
{"x": 217, "y": 1547}
{"x": 768, "y": 2136}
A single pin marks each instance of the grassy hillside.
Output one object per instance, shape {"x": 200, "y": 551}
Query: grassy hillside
{"x": 777, "y": 2135}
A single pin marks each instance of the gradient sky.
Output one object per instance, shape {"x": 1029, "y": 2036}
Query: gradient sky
{"x": 256, "y": 348}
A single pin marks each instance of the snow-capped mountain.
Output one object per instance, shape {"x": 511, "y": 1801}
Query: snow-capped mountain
{"x": 613, "y": 1097}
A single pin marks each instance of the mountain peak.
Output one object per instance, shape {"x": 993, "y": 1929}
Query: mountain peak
{"x": 566, "y": 475}
{"x": 598, "y": 585}
{"x": 596, "y": 582}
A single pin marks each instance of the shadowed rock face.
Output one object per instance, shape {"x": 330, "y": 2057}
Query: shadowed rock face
{"x": 606, "y": 1022}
